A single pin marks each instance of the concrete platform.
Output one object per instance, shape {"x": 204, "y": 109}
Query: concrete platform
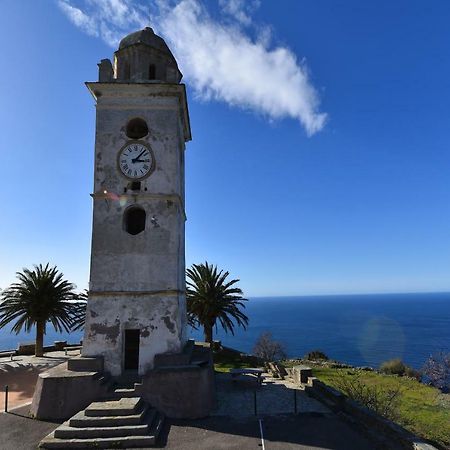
{"x": 60, "y": 393}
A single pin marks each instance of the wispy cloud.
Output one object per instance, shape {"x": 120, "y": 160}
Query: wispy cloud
{"x": 241, "y": 10}
{"x": 218, "y": 57}
{"x": 79, "y": 18}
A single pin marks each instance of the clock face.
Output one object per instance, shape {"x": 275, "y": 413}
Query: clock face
{"x": 136, "y": 160}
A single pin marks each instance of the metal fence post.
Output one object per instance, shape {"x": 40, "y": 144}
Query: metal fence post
{"x": 6, "y": 398}
{"x": 295, "y": 401}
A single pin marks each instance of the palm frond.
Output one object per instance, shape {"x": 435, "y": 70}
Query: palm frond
{"x": 40, "y": 295}
{"x": 212, "y": 299}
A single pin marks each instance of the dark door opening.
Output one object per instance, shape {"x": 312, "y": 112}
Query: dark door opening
{"x": 131, "y": 350}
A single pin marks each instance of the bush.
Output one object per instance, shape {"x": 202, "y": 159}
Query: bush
{"x": 316, "y": 355}
{"x": 437, "y": 370}
{"x": 398, "y": 367}
{"x": 393, "y": 367}
{"x": 268, "y": 349}
{"x": 381, "y": 400}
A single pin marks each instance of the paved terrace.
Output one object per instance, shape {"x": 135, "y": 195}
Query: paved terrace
{"x": 21, "y": 375}
{"x": 233, "y": 424}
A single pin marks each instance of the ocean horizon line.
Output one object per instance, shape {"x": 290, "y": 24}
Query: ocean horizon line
{"x": 367, "y": 294}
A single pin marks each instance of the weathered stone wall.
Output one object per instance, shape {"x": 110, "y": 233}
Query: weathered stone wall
{"x": 138, "y": 281}
{"x": 157, "y": 316}
{"x": 148, "y": 261}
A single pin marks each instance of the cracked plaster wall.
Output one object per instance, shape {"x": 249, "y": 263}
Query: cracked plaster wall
{"x": 151, "y": 261}
{"x": 158, "y": 318}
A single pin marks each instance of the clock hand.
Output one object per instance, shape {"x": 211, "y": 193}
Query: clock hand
{"x": 141, "y": 160}
{"x": 137, "y": 158}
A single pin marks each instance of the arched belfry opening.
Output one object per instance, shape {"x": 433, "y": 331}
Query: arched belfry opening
{"x": 134, "y": 220}
{"x": 152, "y": 72}
{"x": 137, "y": 128}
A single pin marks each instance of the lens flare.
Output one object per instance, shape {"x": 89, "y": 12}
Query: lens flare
{"x": 381, "y": 339}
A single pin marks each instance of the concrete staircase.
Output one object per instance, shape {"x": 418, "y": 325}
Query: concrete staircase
{"x": 120, "y": 421}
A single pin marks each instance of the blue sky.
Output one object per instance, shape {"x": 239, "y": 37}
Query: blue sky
{"x": 320, "y": 153}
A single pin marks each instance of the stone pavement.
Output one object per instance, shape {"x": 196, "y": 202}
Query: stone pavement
{"x": 236, "y": 397}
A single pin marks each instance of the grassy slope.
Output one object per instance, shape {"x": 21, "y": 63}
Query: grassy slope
{"x": 228, "y": 359}
{"x": 423, "y": 409}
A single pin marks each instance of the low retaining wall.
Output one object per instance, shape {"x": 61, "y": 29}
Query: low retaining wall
{"x": 182, "y": 391}
{"x": 60, "y": 392}
{"x": 393, "y": 436}
{"x": 27, "y": 348}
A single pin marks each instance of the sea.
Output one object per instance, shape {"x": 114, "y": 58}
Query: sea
{"x": 361, "y": 330}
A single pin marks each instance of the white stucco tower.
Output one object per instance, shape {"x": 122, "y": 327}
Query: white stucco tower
{"x": 136, "y": 307}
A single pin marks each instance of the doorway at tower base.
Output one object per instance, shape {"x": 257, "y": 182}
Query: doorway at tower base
{"x": 129, "y": 329}
{"x": 182, "y": 385}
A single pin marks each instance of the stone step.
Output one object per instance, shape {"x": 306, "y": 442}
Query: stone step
{"x": 114, "y": 442}
{"x": 123, "y": 392}
{"x": 82, "y": 421}
{"x": 127, "y": 406}
{"x": 67, "y": 432}
{"x": 144, "y": 441}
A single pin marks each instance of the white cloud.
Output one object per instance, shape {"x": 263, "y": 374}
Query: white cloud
{"x": 218, "y": 58}
{"x": 79, "y": 18}
{"x": 241, "y": 10}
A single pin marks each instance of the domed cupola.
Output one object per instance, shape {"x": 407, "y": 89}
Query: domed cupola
{"x": 142, "y": 57}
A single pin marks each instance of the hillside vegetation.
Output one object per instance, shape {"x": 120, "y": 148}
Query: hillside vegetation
{"x": 421, "y": 409}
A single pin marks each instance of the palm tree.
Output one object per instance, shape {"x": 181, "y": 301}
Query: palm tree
{"x": 41, "y": 295}
{"x": 79, "y": 311}
{"x": 211, "y": 297}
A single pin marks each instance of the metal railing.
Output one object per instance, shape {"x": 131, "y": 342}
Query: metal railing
{"x": 6, "y": 398}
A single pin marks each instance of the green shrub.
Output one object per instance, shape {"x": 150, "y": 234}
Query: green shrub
{"x": 384, "y": 401}
{"x": 398, "y": 367}
{"x": 393, "y": 367}
{"x": 316, "y": 355}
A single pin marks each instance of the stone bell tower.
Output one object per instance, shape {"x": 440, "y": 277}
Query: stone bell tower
{"x": 137, "y": 307}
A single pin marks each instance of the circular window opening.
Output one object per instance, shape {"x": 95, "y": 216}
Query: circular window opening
{"x": 137, "y": 128}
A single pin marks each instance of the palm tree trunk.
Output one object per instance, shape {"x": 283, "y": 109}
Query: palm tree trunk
{"x": 208, "y": 330}
{"x": 39, "y": 347}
